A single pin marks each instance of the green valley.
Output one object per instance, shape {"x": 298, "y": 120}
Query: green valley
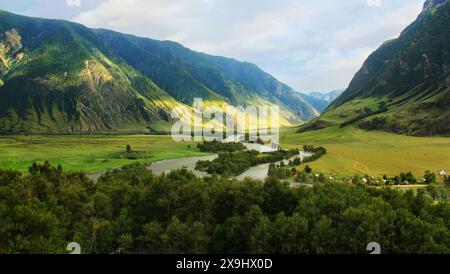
{"x": 350, "y": 151}
{"x": 356, "y": 151}
{"x": 89, "y": 119}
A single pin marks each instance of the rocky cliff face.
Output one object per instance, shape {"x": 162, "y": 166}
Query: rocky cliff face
{"x": 10, "y": 50}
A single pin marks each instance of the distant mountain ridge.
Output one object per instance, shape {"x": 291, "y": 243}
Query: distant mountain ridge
{"x": 61, "y": 77}
{"x": 327, "y": 96}
{"x": 404, "y": 86}
{"x": 320, "y": 101}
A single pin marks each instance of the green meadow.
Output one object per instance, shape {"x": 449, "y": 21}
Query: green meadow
{"x": 88, "y": 153}
{"x": 354, "y": 151}
{"x": 350, "y": 151}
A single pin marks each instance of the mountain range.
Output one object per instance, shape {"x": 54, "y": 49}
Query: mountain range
{"x": 61, "y": 77}
{"x": 404, "y": 86}
{"x": 320, "y": 101}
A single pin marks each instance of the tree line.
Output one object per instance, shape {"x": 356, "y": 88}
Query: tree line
{"x": 216, "y": 146}
{"x": 132, "y": 211}
{"x": 317, "y": 153}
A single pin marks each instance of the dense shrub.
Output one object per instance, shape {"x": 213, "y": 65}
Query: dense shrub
{"x": 216, "y": 146}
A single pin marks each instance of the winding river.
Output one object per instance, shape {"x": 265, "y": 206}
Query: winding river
{"x": 259, "y": 172}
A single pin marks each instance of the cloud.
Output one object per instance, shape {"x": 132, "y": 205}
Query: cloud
{"x": 310, "y": 45}
{"x": 55, "y": 9}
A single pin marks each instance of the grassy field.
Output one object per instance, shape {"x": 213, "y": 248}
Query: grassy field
{"x": 354, "y": 151}
{"x": 350, "y": 151}
{"x": 88, "y": 153}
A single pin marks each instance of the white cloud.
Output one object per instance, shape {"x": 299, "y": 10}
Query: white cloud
{"x": 309, "y": 44}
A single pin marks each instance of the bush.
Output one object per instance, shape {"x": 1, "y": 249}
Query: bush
{"x": 308, "y": 169}
{"x": 429, "y": 177}
{"x": 279, "y": 172}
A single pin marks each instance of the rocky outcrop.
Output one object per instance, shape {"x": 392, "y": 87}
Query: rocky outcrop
{"x": 10, "y": 50}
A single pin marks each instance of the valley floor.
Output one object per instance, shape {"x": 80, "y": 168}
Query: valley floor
{"x": 350, "y": 151}
{"x": 354, "y": 151}
{"x": 89, "y": 153}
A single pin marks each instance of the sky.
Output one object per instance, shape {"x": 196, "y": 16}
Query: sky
{"x": 311, "y": 45}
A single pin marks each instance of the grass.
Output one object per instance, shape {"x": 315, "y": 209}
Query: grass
{"x": 354, "y": 151}
{"x": 350, "y": 151}
{"x": 88, "y": 153}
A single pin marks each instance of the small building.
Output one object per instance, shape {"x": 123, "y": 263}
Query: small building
{"x": 443, "y": 173}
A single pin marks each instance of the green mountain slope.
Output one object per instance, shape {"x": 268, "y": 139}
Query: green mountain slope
{"x": 187, "y": 74}
{"x": 61, "y": 77}
{"x": 404, "y": 86}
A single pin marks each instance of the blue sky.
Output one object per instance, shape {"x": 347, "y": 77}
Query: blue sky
{"x": 312, "y": 45}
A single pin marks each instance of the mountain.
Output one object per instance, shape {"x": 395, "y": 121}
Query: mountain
{"x": 59, "y": 77}
{"x": 327, "y": 96}
{"x": 404, "y": 86}
{"x": 62, "y": 77}
{"x": 320, "y": 101}
{"x": 187, "y": 74}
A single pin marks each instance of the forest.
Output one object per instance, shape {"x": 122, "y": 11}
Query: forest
{"x": 132, "y": 211}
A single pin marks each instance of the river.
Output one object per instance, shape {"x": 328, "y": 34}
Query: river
{"x": 259, "y": 172}
{"x": 166, "y": 166}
